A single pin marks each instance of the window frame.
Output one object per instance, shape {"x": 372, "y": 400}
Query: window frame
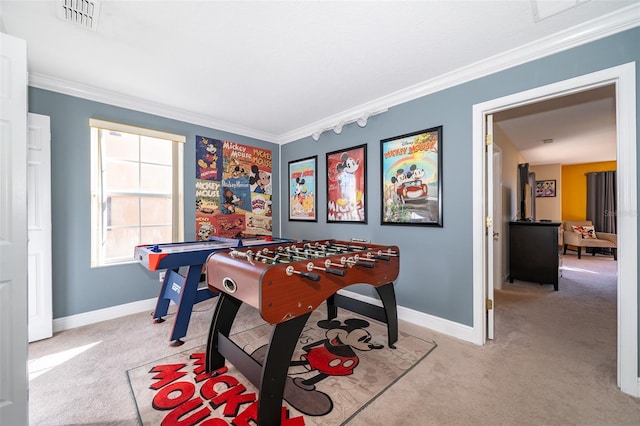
{"x": 98, "y": 228}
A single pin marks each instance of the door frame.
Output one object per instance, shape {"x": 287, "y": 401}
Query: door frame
{"x": 623, "y": 76}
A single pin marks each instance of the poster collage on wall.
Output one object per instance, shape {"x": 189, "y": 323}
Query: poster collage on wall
{"x": 233, "y": 189}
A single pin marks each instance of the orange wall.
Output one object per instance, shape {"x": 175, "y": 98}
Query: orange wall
{"x": 574, "y": 188}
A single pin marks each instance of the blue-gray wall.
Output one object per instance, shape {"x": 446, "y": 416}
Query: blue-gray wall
{"x": 77, "y": 288}
{"x": 436, "y": 263}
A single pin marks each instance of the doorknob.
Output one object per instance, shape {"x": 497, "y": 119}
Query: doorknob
{"x": 496, "y": 235}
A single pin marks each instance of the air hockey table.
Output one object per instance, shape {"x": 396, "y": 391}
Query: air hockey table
{"x": 183, "y": 263}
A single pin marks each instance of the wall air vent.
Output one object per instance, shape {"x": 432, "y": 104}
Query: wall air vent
{"x": 81, "y": 12}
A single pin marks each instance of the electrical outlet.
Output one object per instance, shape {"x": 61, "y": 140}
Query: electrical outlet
{"x": 161, "y": 276}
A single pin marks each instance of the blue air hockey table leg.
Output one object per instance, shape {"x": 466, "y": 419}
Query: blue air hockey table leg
{"x": 184, "y": 292}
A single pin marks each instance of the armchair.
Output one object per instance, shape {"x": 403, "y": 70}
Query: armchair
{"x": 576, "y": 239}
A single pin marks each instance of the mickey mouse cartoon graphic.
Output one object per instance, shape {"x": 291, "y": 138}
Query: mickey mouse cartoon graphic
{"x": 238, "y": 171}
{"x": 416, "y": 173}
{"x": 206, "y": 231}
{"x": 398, "y": 184}
{"x": 414, "y": 188}
{"x": 235, "y": 169}
{"x": 335, "y": 355}
{"x": 261, "y": 180}
{"x": 332, "y": 356}
{"x": 299, "y": 190}
{"x": 346, "y": 177}
{"x": 231, "y": 200}
{"x": 211, "y": 155}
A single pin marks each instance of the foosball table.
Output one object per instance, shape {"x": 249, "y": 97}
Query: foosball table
{"x": 286, "y": 283}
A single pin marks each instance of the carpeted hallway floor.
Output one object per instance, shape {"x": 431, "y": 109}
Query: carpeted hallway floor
{"x": 553, "y": 362}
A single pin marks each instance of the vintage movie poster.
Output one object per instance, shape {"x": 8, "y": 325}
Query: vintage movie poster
{"x": 208, "y": 158}
{"x": 205, "y": 226}
{"x": 207, "y": 196}
{"x": 260, "y": 175}
{"x": 346, "y": 171}
{"x": 302, "y": 189}
{"x": 411, "y": 181}
{"x": 260, "y": 204}
{"x": 258, "y": 224}
{"x": 207, "y": 206}
{"x": 230, "y": 225}
{"x": 235, "y": 197}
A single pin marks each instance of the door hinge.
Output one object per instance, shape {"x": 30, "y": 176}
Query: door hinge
{"x": 488, "y": 139}
{"x": 488, "y": 222}
{"x": 489, "y": 304}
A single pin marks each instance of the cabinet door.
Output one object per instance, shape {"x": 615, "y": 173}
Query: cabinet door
{"x": 533, "y": 251}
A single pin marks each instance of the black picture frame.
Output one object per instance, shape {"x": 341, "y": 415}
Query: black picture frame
{"x": 411, "y": 179}
{"x": 545, "y": 188}
{"x": 347, "y": 185}
{"x": 303, "y": 187}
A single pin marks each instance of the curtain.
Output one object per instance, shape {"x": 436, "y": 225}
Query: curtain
{"x": 601, "y": 202}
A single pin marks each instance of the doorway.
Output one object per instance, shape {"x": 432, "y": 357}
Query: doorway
{"x": 623, "y": 77}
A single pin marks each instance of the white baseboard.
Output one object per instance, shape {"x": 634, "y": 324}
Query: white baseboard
{"x": 431, "y": 322}
{"x": 92, "y": 317}
{"x": 440, "y": 325}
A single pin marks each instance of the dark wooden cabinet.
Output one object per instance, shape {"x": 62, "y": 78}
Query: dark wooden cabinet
{"x": 533, "y": 252}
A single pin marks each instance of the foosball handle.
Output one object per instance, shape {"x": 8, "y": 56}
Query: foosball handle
{"x": 311, "y": 276}
{"x": 334, "y": 271}
{"x": 365, "y": 264}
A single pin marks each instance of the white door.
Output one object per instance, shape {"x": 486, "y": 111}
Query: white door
{"x": 13, "y": 231}
{"x": 489, "y": 232}
{"x": 39, "y": 225}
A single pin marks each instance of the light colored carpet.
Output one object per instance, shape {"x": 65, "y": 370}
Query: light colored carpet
{"x": 553, "y": 362}
{"x": 331, "y": 400}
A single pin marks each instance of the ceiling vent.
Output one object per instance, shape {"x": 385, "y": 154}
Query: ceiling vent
{"x": 543, "y": 9}
{"x": 80, "y": 12}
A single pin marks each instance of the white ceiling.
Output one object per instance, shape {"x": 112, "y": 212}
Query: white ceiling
{"x": 280, "y": 70}
{"x": 573, "y": 129}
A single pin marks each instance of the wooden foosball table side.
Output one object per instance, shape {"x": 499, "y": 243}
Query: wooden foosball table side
{"x": 287, "y": 299}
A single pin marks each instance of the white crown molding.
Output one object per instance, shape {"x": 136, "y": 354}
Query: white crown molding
{"x": 601, "y": 27}
{"x": 96, "y": 94}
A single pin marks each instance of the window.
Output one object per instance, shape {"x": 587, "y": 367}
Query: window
{"x": 136, "y": 190}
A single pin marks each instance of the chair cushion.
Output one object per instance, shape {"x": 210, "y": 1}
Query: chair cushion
{"x": 587, "y": 232}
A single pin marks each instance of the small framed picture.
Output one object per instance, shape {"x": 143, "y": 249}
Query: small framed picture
{"x": 411, "y": 174}
{"x": 545, "y": 188}
{"x": 346, "y": 185}
{"x": 303, "y": 181}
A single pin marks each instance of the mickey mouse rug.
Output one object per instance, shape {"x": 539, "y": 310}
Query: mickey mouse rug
{"x": 337, "y": 369}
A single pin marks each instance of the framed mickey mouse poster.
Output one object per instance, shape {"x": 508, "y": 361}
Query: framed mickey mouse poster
{"x": 303, "y": 181}
{"x": 411, "y": 174}
{"x": 346, "y": 185}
